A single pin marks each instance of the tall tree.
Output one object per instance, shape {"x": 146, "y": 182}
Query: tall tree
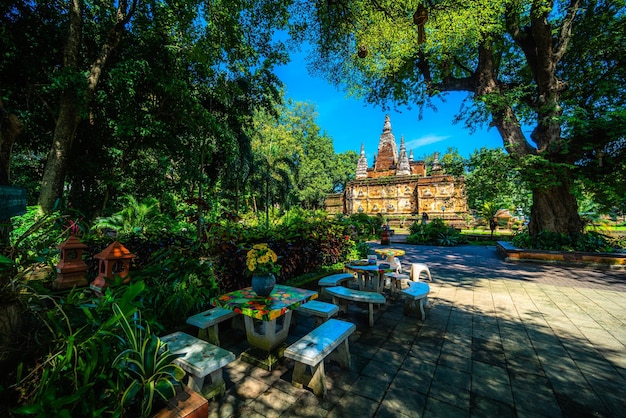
{"x": 78, "y": 92}
{"x": 343, "y": 169}
{"x": 507, "y": 55}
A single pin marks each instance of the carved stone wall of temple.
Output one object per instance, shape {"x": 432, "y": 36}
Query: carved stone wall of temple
{"x": 386, "y": 189}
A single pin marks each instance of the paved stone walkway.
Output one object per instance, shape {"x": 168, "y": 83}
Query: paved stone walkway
{"x": 499, "y": 340}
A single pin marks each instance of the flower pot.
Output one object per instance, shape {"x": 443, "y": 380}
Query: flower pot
{"x": 263, "y": 285}
{"x": 186, "y": 403}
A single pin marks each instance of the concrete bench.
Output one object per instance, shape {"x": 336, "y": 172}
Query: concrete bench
{"x": 338, "y": 279}
{"x": 322, "y": 311}
{"x": 329, "y": 339}
{"x": 342, "y": 295}
{"x": 396, "y": 281}
{"x": 416, "y": 294}
{"x": 208, "y": 321}
{"x": 200, "y": 359}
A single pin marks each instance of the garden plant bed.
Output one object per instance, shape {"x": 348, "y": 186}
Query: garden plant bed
{"x": 511, "y": 253}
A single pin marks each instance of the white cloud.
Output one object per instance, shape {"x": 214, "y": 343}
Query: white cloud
{"x": 425, "y": 140}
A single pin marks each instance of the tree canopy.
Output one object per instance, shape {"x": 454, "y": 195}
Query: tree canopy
{"x": 107, "y": 90}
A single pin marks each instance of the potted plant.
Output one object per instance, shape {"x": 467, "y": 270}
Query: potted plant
{"x": 261, "y": 261}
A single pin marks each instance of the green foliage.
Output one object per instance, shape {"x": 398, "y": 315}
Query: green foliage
{"x": 179, "y": 281}
{"x": 364, "y": 227}
{"x": 145, "y": 366}
{"x": 295, "y": 163}
{"x": 493, "y": 177}
{"x": 183, "y": 83}
{"x": 135, "y": 218}
{"x": 545, "y": 240}
{"x": 451, "y": 161}
{"x": 97, "y": 362}
{"x": 435, "y": 232}
{"x": 303, "y": 241}
{"x": 34, "y": 233}
{"x": 362, "y": 249}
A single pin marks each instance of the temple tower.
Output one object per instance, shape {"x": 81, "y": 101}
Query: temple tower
{"x": 387, "y": 151}
{"x": 361, "y": 167}
{"x": 404, "y": 168}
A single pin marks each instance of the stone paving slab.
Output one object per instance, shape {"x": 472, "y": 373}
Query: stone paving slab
{"x": 499, "y": 340}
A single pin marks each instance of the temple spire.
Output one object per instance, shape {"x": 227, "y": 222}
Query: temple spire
{"x": 387, "y": 152}
{"x": 387, "y": 126}
{"x": 361, "y": 167}
{"x": 404, "y": 168}
{"x": 436, "y": 167}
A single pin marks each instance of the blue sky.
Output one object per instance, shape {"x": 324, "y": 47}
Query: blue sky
{"x": 350, "y": 122}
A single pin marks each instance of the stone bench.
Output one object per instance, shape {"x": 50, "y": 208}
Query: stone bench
{"x": 208, "y": 321}
{"x": 416, "y": 294}
{"x": 342, "y": 296}
{"x": 396, "y": 281}
{"x": 329, "y": 339}
{"x": 322, "y": 311}
{"x": 338, "y": 279}
{"x": 200, "y": 359}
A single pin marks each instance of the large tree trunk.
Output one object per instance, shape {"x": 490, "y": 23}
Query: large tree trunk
{"x": 554, "y": 206}
{"x": 56, "y": 164}
{"x": 554, "y": 209}
{"x": 65, "y": 129}
{"x": 67, "y": 122}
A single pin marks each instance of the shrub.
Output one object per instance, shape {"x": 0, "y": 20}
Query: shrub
{"x": 97, "y": 360}
{"x": 550, "y": 241}
{"x": 434, "y": 232}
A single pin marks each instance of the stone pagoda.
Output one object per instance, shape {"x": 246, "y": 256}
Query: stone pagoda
{"x": 397, "y": 187}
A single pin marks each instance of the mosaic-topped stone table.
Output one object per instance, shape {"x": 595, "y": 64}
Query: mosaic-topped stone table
{"x": 370, "y": 276}
{"x": 266, "y": 319}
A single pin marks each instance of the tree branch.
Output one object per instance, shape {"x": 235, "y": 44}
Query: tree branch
{"x": 124, "y": 14}
{"x": 566, "y": 30}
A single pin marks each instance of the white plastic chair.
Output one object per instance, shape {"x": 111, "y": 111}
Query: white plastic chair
{"x": 417, "y": 269}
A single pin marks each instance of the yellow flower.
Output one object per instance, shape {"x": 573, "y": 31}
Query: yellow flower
{"x": 261, "y": 259}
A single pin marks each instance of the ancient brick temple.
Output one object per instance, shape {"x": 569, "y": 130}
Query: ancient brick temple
{"x": 398, "y": 188}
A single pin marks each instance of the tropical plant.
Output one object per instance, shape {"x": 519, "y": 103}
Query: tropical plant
{"x": 449, "y": 238}
{"x": 135, "y": 218}
{"x": 494, "y": 177}
{"x": 180, "y": 281}
{"x": 588, "y": 242}
{"x": 85, "y": 336}
{"x": 146, "y": 366}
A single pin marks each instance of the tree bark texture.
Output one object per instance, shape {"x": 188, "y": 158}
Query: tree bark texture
{"x": 554, "y": 209}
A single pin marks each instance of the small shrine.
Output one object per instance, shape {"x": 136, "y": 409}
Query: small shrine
{"x": 71, "y": 270}
{"x": 397, "y": 186}
{"x": 114, "y": 260}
